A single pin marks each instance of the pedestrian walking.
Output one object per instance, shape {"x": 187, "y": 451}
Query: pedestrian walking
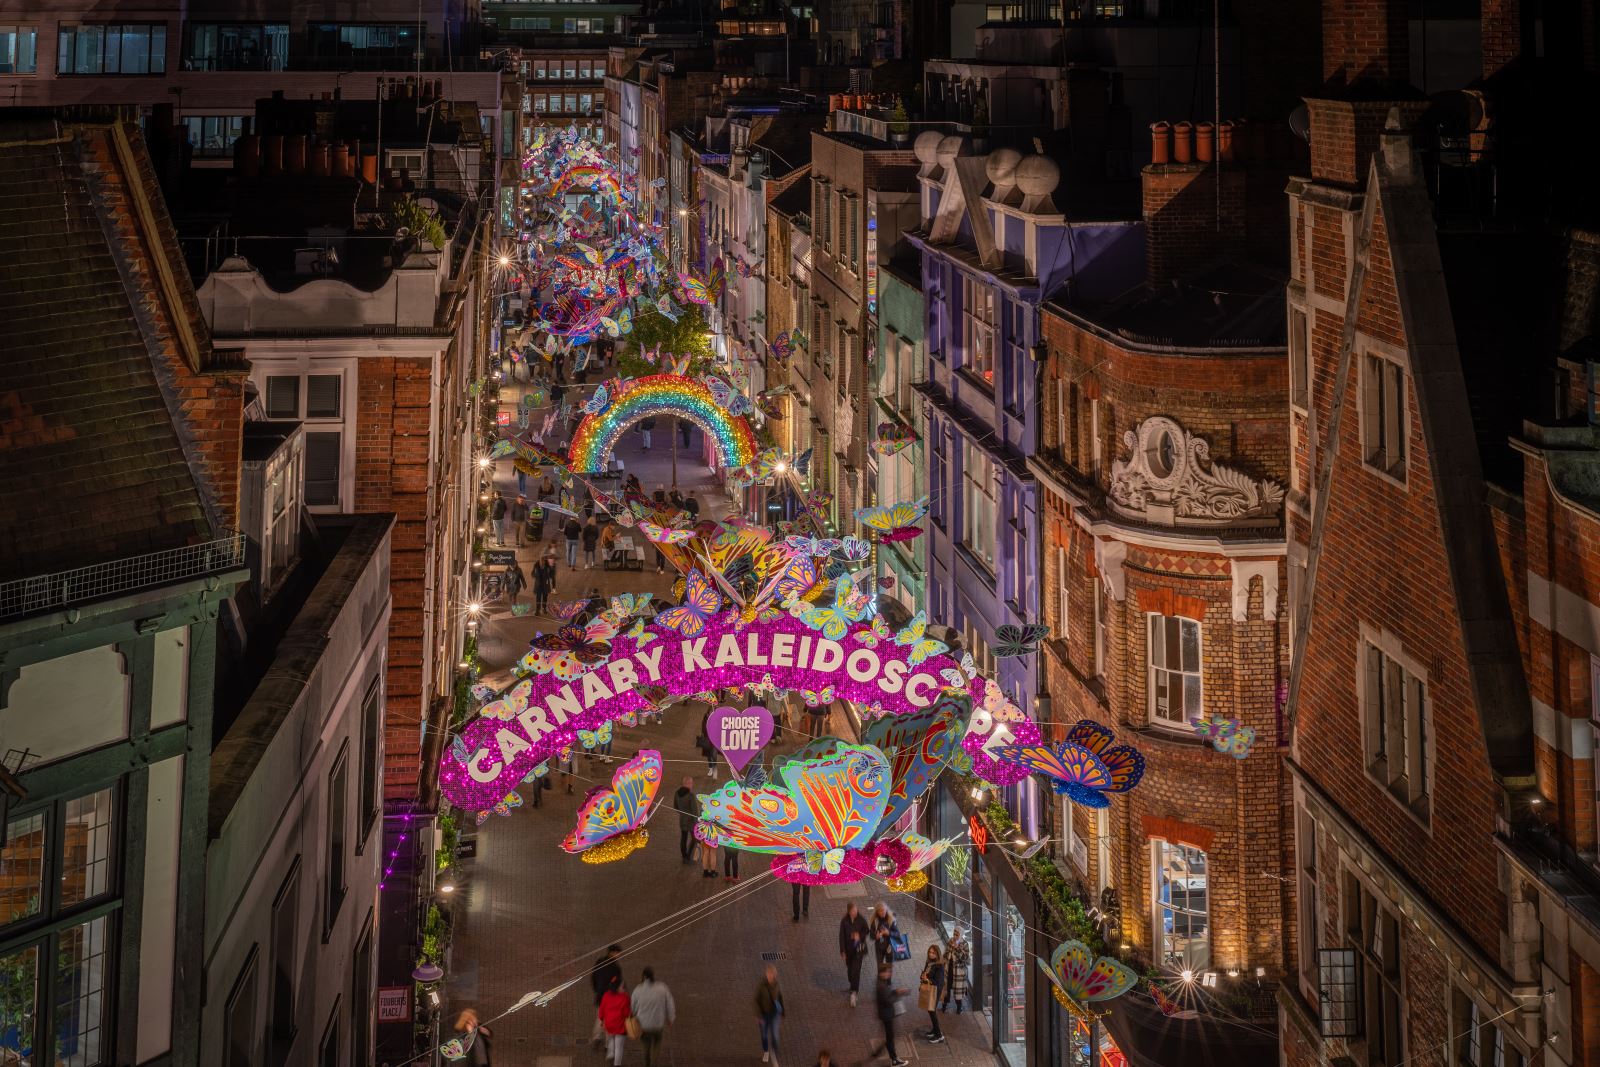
{"x": 708, "y": 750}
{"x": 888, "y": 1001}
{"x": 591, "y": 541}
{"x": 606, "y": 970}
{"x": 615, "y": 1008}
{"x": 683, "y": 801}
{"x": 929, "y": 989}
{"x": 708, "y": 859}
{"x": 769, "y": 1011}
{"x": 515, "y": 582}
{"x": 544, "y": 583}
{"x": 572, "y": 529}
{"x": 675, "y": 498}
{"x": 730, "y": 864}
{"x": 802, "y": 900}
{"x": 854, "y": 938}
{"x": 654, "y": 1011}
{"x": 519, "y": 515}
{"x": 691, "y": 504}
{"x": 957, "y": 958}
{"x": 886, "y": 935}
{"x": 647, "y": 427}
{"x": 683, "y": 431}
{"x": 497, "y": 512}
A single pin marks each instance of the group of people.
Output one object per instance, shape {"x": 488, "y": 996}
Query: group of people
{"x": 642, "y": 1013}
{"x": 943, "y": 980}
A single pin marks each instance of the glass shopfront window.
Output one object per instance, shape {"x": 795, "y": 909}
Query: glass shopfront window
{"x": 1010, "y": 1015}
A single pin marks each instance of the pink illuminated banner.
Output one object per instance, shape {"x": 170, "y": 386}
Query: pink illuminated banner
{"x": 542, "y": 714}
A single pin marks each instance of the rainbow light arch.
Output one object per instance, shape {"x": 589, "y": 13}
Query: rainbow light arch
{"x": 661, "y": 394}
{"x": 589, "y": 176}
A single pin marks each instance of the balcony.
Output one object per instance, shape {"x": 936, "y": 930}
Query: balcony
{"x": 49, "y": 592}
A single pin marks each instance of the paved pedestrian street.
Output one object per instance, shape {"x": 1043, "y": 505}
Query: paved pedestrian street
{"x": 528, "y": 916}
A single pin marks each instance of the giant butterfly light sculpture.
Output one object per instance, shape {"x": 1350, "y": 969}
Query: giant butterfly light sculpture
{"x": 611, "y": 820}
{"x": 1085, "y": 767}
{"x": 1080, "y": 980}
{"x": 818, "y": 825}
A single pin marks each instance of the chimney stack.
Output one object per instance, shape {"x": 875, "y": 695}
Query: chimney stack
{"x": 1366, "y": 60}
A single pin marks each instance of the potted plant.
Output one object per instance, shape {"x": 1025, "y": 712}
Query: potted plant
{"x": 899, "y": 123}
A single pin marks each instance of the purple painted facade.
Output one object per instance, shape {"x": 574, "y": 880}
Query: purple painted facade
{"x": 995, "y": 247}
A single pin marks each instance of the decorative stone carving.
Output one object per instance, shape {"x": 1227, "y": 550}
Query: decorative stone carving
{"x": 1168, "y": 478}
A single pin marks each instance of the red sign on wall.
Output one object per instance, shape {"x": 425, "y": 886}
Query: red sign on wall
{"x": 980, "y": 833}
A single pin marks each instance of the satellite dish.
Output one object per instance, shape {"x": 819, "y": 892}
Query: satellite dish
{"x": 1300, "y": 123}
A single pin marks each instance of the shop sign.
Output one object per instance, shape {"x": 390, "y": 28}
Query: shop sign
{"x": 394, "y": 1004}
{"x": 980, "y": 833}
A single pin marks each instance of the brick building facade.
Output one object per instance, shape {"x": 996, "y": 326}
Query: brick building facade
{"x": 1162, "y": 460}
{"x": 1442, "y": 767}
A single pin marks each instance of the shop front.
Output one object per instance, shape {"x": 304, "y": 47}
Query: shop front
{"x": 987, "y": 903}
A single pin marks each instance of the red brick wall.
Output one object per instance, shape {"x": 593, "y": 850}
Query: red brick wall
{"x": 1383, "y": 564}
{"x": 1365, "y": 40}
{"x": 392, "y": 475}
{"x": 1500, "y": 37}
{"x": 1237, "y": 402}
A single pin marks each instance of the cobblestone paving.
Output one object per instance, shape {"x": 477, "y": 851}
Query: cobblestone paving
{"x": 527, "y": 916}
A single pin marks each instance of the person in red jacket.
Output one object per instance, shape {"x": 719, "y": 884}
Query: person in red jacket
{"x": 615, "y": 1007}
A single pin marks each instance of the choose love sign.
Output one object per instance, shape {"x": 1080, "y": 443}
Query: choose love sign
{"x": 542, "y": 714}
{"x": 739, "y": 734}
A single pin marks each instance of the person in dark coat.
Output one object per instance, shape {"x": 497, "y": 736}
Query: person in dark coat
{"x": 769, "y": 1011}
{"x": 600, "y": 980}
{"x": 886, "y": 997}
{"x": 884, "y": 928}
{"x": 591, "y": 542}
{"x": 544, "y": 583}
{"x": 683, "y": 802}
{"x": 957, "y": 958}
{"x": 572, "y": 529}
{"x": 853, "y": 941}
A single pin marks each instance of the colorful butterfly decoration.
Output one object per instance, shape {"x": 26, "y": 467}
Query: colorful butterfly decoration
{"x": 853, "y": 549}
{"x": 616, "y": 327}
{"x": 964, "y": 672}
{"x": 892, "y": 437}
{"x": 914, "y": 636}
{"x": 611, "y": 821}
{"x": 766, "y": 687}
{"x": 626, "y": 605}
{"x": 893, "y": 522}
{"x": 923, "y": 854}
{"x": 567, "y": 609}
{"x": 663, "y": 535}
{"x": 1018, "y": 640}
{"x": 832, "y": 620}
{"x": 573, "y": 650}
{"x": 819, "y": 700}
{"x": 828, "y": 803}
{"x": 919, "y": 745}
{"x": 1084, "y": 768}
{"x": 506, "y": 806}
{"x": 813, "y": 546}
{"x": 693, "y": 290}
{"x": 1079, "y": 979}
{"x": 701, "y": 602}
{"x": 537, "y": 773}
{"x": 730, "y": 400}
{"x": 1226, "y": 735}
{"x": 592, "y": 739}
{"x": 456, "y": 1048}
{"x": 598, "y": 402}
{"x": 781, "y": 346}
{"x": 874, "y": 633}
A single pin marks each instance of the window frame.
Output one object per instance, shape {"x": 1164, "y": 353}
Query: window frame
{"x": 285, "y": 905}
{"x": 67, "y": 34}
{"x": 1385, "y": 414}
{"x": 335, "y": 890}
{"x": 16, "y": 34}
{"x": 978, "y": 472}
{"x": 978, "y": 324}
{"x": 370, "y": 794}
{"x": 1388, "y": 681}
{"x": 1299, "y": 345}
{"x": 244, "y": 994}
{"x": 1368, "y": 924}
{"x": 1153, "y": 717}
{"x": 1159, "y": 909}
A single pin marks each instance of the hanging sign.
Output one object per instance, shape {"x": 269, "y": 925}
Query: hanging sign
{"x": 739, "y": 734}
{"x": 979, "y": 832}
{"x": 542, "y": 714}
{"x": 394, "y": 1004}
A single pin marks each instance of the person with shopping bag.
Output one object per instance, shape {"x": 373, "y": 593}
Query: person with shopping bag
{"x": 929, "y": 990}
{"x": 616, "y": 1011}
{"x": 653, "y": 1012}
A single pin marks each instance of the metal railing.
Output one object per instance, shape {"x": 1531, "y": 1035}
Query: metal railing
{"x": 46, "y": 592}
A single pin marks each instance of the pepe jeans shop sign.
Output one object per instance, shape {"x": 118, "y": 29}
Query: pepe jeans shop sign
{"x": 542, "y": 714}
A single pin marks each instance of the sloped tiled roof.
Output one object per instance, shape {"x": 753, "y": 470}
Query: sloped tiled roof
{"x": 91, "y": 468}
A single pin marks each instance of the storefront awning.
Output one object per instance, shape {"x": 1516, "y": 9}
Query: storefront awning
{"x": 1150, "y": 1039}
